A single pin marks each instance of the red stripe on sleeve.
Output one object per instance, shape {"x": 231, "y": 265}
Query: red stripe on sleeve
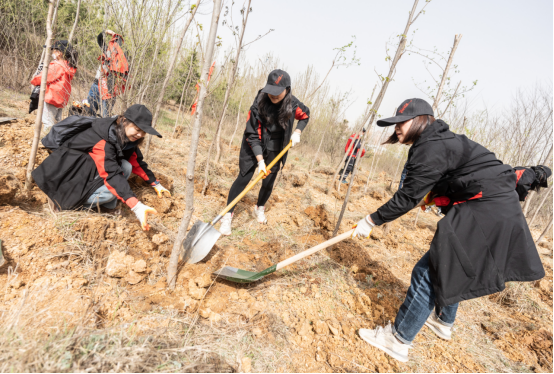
{"x": 519, "y": 173}
{"x": 136, "y": 167}
{"x": 299, "y": 114}
{"x": 98, "y": 155}
{"x": 260, "y": 130}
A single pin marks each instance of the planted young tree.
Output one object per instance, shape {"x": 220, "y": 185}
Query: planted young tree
{"x": 183, "y": 93}
{"x": 72, "y": 33}
{"x": 193, "y": 10}
{"x": 546, "y": 195}
{"x": 52, "y": 5}
{"x": 195, "y": 136}
{"x": 238, "y": 118}
{"x": 230, "y": 85}
{"x": 412, "y": 17}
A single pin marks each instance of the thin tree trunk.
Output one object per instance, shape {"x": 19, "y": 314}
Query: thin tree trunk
{"x": 72, "y": 33}
{"x": 457, "y": 39}
{"x": 417, "y": 216}
{"x": 375, "y": 154}
{"x": 548, "y": 192}
{"x": 319, "y": 147}
{"x": 237, "y": 124}
{"x": 168, "y": 75}
{"x": 544, "y": 232}
{"x": 195, "y": 136}
{"x": 183, "y": 94}
{"x": 396, "y": 172}
{"x": 40, "y": 109}
{"x": 532, "y": 193}
{"x": 226, "y": 101}
{"x": 377, "y": 103}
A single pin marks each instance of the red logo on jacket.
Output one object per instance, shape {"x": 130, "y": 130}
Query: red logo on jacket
{"x": 404, "y": 107}
{"x": 278, "y": 79}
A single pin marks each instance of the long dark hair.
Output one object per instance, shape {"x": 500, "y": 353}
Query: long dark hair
{"x": 269, "y": 112}
{"x": 121, "y": 123}
{"x": 420, "y": 123}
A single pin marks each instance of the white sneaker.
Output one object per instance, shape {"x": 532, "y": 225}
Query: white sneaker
{"x": 225, "y": 227}
{"x": 259, "y": 214}
{"x": 438, "y": 327}
{"x": 384, "y": 339}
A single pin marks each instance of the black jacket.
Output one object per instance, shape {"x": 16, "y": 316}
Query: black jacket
{"x": 525, "y": 180}
{"x": 256, "y": 135}
{"x": 87, "y": 161}
{"x": 483, "y": 241}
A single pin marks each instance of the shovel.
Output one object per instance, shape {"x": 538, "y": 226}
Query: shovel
{"x": 242, "y": 276}
{"x": 202, "y": 236}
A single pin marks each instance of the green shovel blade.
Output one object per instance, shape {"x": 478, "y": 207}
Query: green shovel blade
{"x": 242, "y": 276}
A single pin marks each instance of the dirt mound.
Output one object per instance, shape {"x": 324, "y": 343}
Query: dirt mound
{"x": 9, "y": 185}
{"x": 319, "y": 215}
{"x": 325, "y": 170}
{"x": 296, "y": 179}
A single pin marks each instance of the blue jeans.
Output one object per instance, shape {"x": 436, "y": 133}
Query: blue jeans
{"x": 94, "y": 101}
{"x": 419, "y": 303}
{"x": 102, "y": 196}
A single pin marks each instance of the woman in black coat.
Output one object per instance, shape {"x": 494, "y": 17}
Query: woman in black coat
{"x": 481, "y": 243}
{"x": 268, "y": 131}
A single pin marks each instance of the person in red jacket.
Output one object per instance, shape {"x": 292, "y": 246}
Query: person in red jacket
{"x": 91, "y": 168}
{"x": 58, "y": 82}
{"x": 349, "y": 163}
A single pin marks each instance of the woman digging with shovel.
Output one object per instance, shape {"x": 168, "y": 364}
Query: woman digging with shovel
{"x": 268, "y": 131}
{"x": 481, "y": 243}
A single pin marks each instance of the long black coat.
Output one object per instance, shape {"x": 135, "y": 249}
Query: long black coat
{"x": 257, "y": 134}
{"x": 87, "y": 161}
{"x": 483, "y": 241}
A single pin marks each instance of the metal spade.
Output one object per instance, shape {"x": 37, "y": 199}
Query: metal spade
{"x": 202, "y": 236}
{"x": 243, "y": 276}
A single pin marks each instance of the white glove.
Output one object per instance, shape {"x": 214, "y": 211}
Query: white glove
{"x": 142, "y": 211}
{"x": 295, "y": 138}
{"x": 261, "y": 167}
{"x": 160, "y": 190}
{"x": 363, "y": 228}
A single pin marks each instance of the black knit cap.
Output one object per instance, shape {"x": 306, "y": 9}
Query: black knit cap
{"x": 409, "y": 109}
{"x": 277, "y": 81}
{"x": 142, "y": 117}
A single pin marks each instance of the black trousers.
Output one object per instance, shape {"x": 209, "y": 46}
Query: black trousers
{"x": 267, "y": 184}
{"x": 349, "y": 166}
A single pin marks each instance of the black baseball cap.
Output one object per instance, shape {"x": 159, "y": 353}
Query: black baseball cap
{"x": 543, "y": 173}
{"x": 409, "y": 109}
{"x": 142, "y": 117}
{"x": 277, "y": 81}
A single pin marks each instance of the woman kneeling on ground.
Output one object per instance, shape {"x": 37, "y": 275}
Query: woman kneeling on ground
{"x": 481, "y": 243}
{"x": 92, "y": 167}
{"x": 268, "y": 131}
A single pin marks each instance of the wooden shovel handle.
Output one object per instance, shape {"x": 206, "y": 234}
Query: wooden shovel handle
{"x": 252, "y": 184}
{"x": 315, "y": 249}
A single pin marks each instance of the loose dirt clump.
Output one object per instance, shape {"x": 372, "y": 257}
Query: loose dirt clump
{"x": 9, "y": 186}
{"x": 319, "y": 215}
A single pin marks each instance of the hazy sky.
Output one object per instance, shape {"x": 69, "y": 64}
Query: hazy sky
{"x": 506, "y": 45}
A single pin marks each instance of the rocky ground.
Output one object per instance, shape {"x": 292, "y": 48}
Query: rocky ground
{"x": 87, "y": 290}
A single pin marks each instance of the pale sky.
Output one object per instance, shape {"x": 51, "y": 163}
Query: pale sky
{"x": 506, "y": 45}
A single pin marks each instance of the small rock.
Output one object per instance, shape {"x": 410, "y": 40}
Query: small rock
{"x": 272, "y": 297}
{"x": 354, "y": 269}
{"x": 334, "y": 330}
{"x": 17, "y": 283}
{"x": 195, "y": 292}
{"x": 205, "y": 313}
{"x": 303, "y": 289}
{"x": 257, "y": 331}
{"x": 133, "y": 278}
{"x": 246, "y": 364}
{"x": 79, "y": 282}
{"x": 203, "y": 281}
{"x": 139, "y": 266}
{"x": 234, "y": 296}
{"x": 321, "y": 327}
{"x": 215, "y": 317}
{"x": 160, "y": 238}
{"x": 304, "y": 328}
{"x": 118, "y": 264}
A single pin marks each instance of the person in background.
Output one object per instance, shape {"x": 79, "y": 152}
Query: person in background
{"x": 111, "y": 75}
{"x": 58, "y": 82}
{"x": 91, "y": 168}
{"x": 531, "y": 179}
{"x": 269, "y": 128}
{"x": 349, "y": 164}
{"x": 482, "y": 242}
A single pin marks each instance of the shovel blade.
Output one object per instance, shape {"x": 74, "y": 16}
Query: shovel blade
{"x": 243, "y": 276}
{"x": 199, "y": 242}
